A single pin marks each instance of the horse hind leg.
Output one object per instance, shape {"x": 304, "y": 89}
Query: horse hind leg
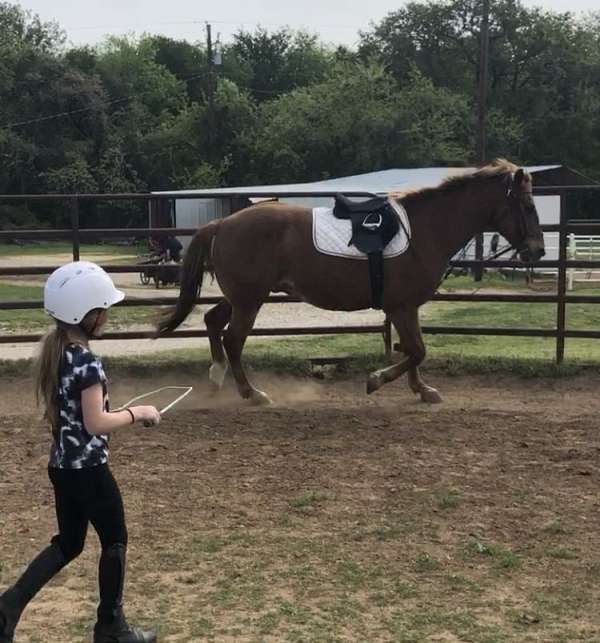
{"x": 234, "y": 338}
{"x": 216, "y": 319}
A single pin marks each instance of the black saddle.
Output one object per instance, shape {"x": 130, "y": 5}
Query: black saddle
{"x": 346, "y": 206}
{"x": 374, "y": 225}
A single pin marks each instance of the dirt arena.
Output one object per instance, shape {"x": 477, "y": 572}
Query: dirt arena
{"x": 333, "y": 516}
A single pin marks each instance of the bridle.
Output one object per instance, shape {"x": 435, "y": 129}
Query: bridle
{"x": 514, "y": 196}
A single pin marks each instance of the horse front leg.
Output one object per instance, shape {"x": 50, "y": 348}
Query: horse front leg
{"x": 234, "y": 338}
{"x": 419, "y": 387}
{"x": 406, "y": 323}
{"x": 388, "y": 374}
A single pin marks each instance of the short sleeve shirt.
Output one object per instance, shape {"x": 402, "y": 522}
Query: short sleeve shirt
{"x": 73, "y": 446}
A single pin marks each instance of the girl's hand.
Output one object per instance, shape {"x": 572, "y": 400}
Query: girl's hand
{"x": 149, "y": 415}
{"x": 99, "y": 422}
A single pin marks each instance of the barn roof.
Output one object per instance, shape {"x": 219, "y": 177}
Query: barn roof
{"x": 385, "y": 181}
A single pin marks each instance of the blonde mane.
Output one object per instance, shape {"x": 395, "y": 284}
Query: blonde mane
{"x": 498, "y": 167}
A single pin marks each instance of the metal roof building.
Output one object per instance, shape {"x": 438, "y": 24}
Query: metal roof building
{"x": 216, "y": 203}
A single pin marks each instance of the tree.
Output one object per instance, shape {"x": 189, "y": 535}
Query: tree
{"x": 49, "y": 112}
{"x": 357, "y": 121}
{"x": 544, "y": 71}
{"x": 179, "y": 151}
{"x": 187, "y": 62}
{"x": 269, "y": 64}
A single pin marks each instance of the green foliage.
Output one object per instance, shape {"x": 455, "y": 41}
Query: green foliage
{"x": 275, "y": 63}
{"x": 138, "y": 114}
{"x": 75, "y": 177}
{"x": 543, "y": 71}
{"x": 18, "y": 216}
{"x": 357, "y": 120}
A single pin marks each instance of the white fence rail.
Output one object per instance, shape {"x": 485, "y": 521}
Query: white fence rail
{"x": 584, "y": 248}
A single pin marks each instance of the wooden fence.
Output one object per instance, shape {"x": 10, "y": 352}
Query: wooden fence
{"x": 77, "y": 235}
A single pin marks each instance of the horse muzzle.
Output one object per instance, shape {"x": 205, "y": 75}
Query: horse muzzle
{"x": 533, "y": 251}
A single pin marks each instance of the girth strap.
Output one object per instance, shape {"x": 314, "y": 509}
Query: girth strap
{"x": 376, "y": 278}
{"x": 374, "y": 224}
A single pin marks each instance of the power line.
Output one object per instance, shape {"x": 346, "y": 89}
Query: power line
{"x": 80, "y": 110}
{"x": 50, "y": 117}
{"x": 202, "y": 22}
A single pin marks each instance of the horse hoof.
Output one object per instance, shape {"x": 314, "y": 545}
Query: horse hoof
{"x": 214, "y": 390}
{"x": 431, "y": 396}
{"x": 374, "y": 383}
{"x": 216, "y": 374}
{"x": 258, "y": 398}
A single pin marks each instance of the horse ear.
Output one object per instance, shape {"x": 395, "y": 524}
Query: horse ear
{"x": 519, "y": 176}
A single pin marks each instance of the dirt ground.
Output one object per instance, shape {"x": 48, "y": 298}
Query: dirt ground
{"x": 333, "y": 516}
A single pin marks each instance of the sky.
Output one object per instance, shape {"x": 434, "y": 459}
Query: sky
{"x": 335, "y": 21}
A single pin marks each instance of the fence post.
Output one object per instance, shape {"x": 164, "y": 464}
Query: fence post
{"x": 562, "y": 280}
{"x": 387, "y": 338}
{"x": 478, "y": 270}
{"x": 572, "y": 254}
{"x": 74, "y": 205}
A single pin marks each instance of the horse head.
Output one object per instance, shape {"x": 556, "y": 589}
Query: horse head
{"x": 517, "y": 219}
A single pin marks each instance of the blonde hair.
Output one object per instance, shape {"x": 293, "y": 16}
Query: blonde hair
{"x": 50, "y": 360}
{"x": 498, "y": 167}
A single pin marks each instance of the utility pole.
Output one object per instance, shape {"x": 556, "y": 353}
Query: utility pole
{"x": 484, "y": 55}
{"x": 211, "y": 82}
{"x": 484, "y": 51}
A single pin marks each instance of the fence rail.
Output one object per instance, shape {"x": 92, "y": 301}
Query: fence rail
{"x": 76, "y": 235}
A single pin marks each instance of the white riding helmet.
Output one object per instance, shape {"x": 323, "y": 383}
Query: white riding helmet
{"x": 76, "y": 288}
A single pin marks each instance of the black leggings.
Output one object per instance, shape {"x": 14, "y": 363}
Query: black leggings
{"x": 83, "y": 496}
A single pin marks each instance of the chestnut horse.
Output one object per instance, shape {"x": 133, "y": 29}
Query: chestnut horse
{"x": 269, "y": 248}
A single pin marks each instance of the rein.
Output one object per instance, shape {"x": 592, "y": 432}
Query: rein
{"x": 512, "y": 199}
{"x": 508, "y": 248}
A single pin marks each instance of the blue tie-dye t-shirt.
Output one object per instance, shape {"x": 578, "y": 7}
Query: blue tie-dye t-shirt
{"x": 74, "y": 447}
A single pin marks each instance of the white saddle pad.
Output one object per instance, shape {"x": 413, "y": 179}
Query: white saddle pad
{"x": 331, "y": 235}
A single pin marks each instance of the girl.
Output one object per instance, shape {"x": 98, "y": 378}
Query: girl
{"x": 72, "y": 387}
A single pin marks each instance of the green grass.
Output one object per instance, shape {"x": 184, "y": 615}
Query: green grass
{"x": 555, "y": 528}
{"x": 503, "y": 559}
{"x": 489, "y": 280}
{"x": 52, "y": 248}
{"x": 561, "y": 553}
{"x": 447, "y": 498}
{"x": 17, "y": 292}
{"x": 32, "y": 321}
{"x": 36, "y": 321}
{"x": 308, "y": 499}
{"x": 426, "y": 563}
{"x": 520, "y": 358}
{"x": 452, "y": 353}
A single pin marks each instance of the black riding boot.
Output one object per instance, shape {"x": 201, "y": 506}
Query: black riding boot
{"x": 112, "y": 627}
{"x": 12, "y": 603}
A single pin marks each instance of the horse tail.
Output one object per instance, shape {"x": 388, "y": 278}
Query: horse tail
{"x": 192, "y": 272}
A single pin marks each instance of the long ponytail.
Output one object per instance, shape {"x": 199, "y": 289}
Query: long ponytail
{"x": 50, "y": 362}
{"x": 48, "y": 366}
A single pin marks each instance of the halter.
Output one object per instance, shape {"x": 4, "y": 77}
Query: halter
{"x": 514, "y": 200}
